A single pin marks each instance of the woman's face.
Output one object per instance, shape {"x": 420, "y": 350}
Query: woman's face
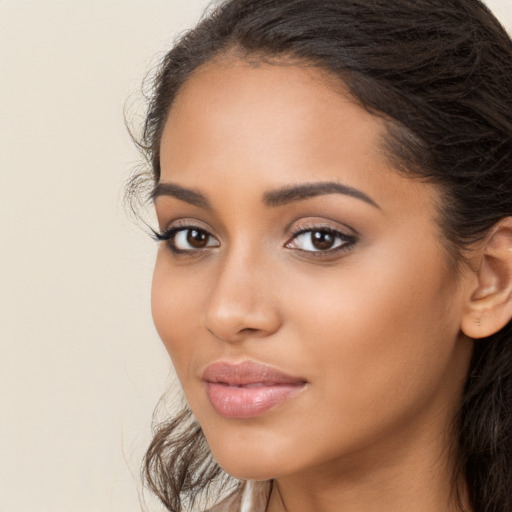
{"x": 303, "y": 293}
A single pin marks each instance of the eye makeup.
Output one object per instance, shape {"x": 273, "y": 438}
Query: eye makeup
{"x": 312, "y": 240}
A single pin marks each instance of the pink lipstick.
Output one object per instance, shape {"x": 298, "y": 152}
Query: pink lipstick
{"x": 248, "y": 389}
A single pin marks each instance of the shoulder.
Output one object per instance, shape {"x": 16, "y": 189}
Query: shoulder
{"x": 251, "y": 497}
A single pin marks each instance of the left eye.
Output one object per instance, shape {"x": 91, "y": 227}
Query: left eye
{"x": 186, "y": 239}
{"x": 190, "y": 239}
{"x": 319, "y": 240}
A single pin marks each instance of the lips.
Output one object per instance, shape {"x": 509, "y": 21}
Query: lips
{"x": 248, "y": 389}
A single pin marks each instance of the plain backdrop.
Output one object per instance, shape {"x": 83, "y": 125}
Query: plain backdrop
{"x": 81, "y": 366}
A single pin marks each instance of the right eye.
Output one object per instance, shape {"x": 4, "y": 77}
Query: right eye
{"x": 187, "y": 239}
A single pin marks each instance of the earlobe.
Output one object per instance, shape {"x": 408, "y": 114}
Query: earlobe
{"x": 489, "y": 306}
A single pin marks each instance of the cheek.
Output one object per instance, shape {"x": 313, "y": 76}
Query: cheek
{"x": 175, "y": 307}
{"x": 379, "y": 339}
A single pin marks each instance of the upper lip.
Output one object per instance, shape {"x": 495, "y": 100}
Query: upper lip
{"x": 246, "y": 373}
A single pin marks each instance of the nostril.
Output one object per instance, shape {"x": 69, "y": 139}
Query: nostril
{"x": 239, "y": 334}
{"x": 252, "y": 332}
{"x": 249, "y": 330}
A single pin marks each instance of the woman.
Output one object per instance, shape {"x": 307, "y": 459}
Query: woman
{"x": 333, "y": 187}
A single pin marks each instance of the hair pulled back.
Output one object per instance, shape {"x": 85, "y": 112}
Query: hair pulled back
{"x": 440, "y": 73}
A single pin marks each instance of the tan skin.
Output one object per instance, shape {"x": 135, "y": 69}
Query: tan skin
{"x": 370, "y": 316}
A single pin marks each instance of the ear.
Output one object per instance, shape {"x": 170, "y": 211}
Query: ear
{"x": 489, "y": 306}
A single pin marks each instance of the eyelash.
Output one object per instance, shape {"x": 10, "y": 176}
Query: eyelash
{"x": 347, "y": 241}
{"x": 169, "y": 236}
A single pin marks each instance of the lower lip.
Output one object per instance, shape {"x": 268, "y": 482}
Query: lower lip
{"x": 249, "y": 402}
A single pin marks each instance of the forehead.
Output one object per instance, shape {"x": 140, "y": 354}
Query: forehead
{"x": 266, "y": 111}
{"x": 251, "y": 128}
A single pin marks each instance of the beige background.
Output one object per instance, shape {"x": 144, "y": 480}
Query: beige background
{"x": 81, "y": 367}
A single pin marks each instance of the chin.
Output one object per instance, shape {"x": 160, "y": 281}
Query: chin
{"x": 251, "y": 462}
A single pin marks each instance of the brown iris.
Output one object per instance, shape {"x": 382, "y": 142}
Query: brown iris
{"x": 322, "y": 240}
{"x": 197, "y": 239}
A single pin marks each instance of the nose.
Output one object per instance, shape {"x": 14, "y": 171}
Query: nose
{"x": 242, "y": 302}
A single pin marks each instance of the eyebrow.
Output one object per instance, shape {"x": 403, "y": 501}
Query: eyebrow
{"x": 307, "y": 190}
{"x": 274, "y": 198}
{"x": 184, "y": 194}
